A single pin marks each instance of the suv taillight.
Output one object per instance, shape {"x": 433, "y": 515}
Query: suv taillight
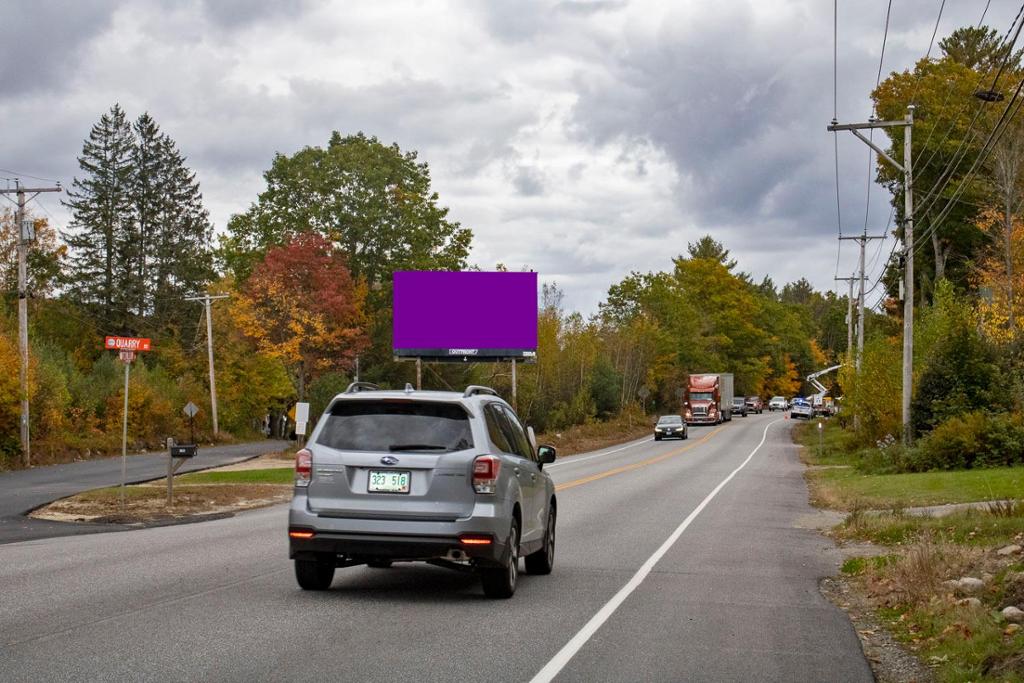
{"x": 485, "y": 473}
{"x": 303, "y": 467}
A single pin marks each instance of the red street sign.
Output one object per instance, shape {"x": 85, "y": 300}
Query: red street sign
{"x": 127, "y": 344}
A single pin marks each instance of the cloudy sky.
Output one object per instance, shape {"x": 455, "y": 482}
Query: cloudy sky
{"x": 581, "y": 138}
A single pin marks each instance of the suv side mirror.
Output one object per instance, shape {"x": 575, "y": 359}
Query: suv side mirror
{"x": 546, "y": 454}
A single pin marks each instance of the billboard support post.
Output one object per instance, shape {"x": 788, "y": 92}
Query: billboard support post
{"x": 419, "y": 374}
{"x": 515, "y": 403}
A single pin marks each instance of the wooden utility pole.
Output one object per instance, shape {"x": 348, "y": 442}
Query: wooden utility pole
{"x": 26, "y": 233}
{"x": 907, "y": 123}
{"x": 862, "y": 240}
{"x": 206, "y": 300}
{"x": 849, "y": 317}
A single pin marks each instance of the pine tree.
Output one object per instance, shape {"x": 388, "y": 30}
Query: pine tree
{"x": 101, "y": 237}
{"x": 179, "y": 255}
{"x": 148, "y": 162}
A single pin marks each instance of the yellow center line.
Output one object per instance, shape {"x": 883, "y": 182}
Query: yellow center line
{"x": 636, "y": 465}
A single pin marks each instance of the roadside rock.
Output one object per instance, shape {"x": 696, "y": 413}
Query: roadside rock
{"x": 889, "y": 660}
{"x": 967, "y": 584}
{"x": 1009, "y": 550}
{"x": 1013, "y": 614}
{"x": 1011, "y": 630}
{"x": 969, "y": 602}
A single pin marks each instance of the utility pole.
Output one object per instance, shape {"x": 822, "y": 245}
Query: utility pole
{"x": 908, "y": 242}
{"x": 26, "y": 233}
{"x": 849, "y": 316}
{"x": 207, "y": 299}
{"x": 862, "y": 240}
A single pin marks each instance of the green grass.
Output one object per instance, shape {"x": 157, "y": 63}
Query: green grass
{"x": 833, "y": 447}
{"x": 845, "y": 488}
{"x": 971, "y": 528}
{"x": 273, "y": 475}
{"x": 962, "y": 644}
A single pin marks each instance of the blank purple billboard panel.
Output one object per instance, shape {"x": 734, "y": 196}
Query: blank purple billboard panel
{"x": 462, "y": 314}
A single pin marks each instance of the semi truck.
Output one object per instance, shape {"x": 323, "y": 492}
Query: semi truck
{"x": 708, "y": 398}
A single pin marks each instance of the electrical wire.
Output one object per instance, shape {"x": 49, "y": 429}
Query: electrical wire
{"x": 835, "y": 118}
{"x": 963, "y": 105}
{"x": 29, "y": 175}
{"x": 871, "y": 131}
{"x": 961, "y": 151}
{"x": 994, "y": 137}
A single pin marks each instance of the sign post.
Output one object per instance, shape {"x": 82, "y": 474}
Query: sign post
{"x": 178, "y": 454}
{"x": 126, "y": 348}
{"x": 191, "y": 410}
{"x": 301, "y": 420}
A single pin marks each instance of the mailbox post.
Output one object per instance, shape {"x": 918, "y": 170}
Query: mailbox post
{"x": 177, "y": 456}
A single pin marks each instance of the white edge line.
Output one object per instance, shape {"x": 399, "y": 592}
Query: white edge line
{"x": 569, "y": 650}
{"x": 570, "y": 460}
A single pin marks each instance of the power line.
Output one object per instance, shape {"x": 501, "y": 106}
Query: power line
{"x": 835, "y": 119}
{"x": 871, "y": 132}
{"x": 949, "y": 93}
{"x": 28, "y": 175}
{"x": 961, "y": 151}
{"x": 994, "y": 136}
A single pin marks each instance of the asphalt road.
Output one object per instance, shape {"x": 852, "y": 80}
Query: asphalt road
{"x": 666, "y": 569}
{"x": 25, "y": 490}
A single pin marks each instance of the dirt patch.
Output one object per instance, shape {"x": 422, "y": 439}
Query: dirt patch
{"x": 268, "y": 461}
{"x": 593, "y": 437}
{"x": 890, "y": 662}
{"x": 145, "y": 504}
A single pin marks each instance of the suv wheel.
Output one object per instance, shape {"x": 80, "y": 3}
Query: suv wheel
{"x": 500, "y": 582}
{"x": 543, "y": 561}
{"x": 314, "y": 575}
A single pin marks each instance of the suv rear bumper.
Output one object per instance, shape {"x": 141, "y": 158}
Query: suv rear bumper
{"x": 358, "y": 540}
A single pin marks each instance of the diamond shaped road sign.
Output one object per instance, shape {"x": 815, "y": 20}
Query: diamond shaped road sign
{"x": 191, "y": 409}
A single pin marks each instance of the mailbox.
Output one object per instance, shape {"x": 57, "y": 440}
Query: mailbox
{"x": 187, "y": 450}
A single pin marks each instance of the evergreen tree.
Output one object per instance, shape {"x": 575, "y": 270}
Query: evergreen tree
{"x": 180, "y": 259}
{"x": 101, "y": 237}
{"x": 148, "y": 166}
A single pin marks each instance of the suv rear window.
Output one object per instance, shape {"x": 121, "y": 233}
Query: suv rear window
{"x": 395, "y": 427}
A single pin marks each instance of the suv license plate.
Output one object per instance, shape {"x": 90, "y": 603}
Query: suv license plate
{"x": 389, "y": 481}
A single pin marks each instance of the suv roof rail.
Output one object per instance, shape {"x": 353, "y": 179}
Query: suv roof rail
{"x": 356, "y": 387}
{"x": 474, "y": 389}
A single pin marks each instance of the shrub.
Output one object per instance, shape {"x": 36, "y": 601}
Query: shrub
{"x": 977, "y": 439}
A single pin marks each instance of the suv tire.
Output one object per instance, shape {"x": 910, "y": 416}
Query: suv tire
{"x": 500, "y": 582}
{"x": 314, "y": 575}
{"x": 543, "y": 561}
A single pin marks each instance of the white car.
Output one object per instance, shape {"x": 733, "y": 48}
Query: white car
{"x": 777, "y": 403}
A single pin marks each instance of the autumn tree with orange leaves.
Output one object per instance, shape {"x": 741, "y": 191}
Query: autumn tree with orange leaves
{"x": 302, "y": 305}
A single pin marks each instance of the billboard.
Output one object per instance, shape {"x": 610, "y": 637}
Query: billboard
{"x": 465, "y": 316}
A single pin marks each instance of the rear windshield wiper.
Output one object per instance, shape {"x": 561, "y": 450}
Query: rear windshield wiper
{"x": 416, "y": 447}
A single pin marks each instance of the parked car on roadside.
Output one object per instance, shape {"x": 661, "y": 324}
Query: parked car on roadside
{"x": 778, "y": 403}
{"x": 449, "y": 478}
{"x": 670, "y": 427}
{"x": 739, "y": 406}
{"x": 800, "y": 408}
{"x": 755, "y": 404}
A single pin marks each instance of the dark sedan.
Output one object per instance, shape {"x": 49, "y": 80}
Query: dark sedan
{"x": 670, "y": 427}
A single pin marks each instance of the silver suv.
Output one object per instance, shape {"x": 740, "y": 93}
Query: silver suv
{"x": 453, "y": 479}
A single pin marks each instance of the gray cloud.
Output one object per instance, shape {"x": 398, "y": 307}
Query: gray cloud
{"x": 586, "y": 139}
{"x": 42, "y": 42}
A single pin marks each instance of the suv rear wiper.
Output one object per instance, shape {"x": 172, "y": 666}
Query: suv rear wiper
{"x": 416, "y": 447}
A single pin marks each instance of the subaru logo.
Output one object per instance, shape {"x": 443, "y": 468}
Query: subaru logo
{"x": 389, "y": 460}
